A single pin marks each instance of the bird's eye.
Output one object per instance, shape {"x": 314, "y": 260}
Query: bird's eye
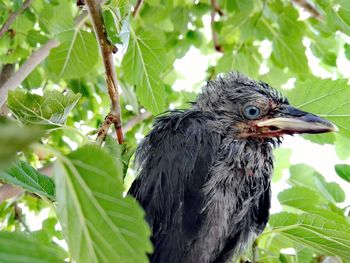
{"x": 251, "y": 112}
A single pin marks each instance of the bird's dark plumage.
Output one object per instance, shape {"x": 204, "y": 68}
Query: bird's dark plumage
{"x": 204, "y": 173}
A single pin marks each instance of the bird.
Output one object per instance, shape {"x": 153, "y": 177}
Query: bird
{"x": 204, "y": 173}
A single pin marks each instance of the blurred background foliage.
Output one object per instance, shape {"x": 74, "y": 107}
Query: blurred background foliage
{"x": 62, "y": 198}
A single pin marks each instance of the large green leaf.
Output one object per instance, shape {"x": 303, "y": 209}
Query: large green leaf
{"x": 306, "y": 176}
{"x": 142, "y": 65}
{"x": 315, "y": 232}
{"x": 310, "y": 201}
{"x": 16, "y": 247}
{"x": 99, "y": 224}
{"x": 282, "y": 156}
{"x": 337, "y": 14}
{"x": 55, "y": 16}
{"x": 25, "y": 176}
{"x": 299, "y": 197}
{"x": 75, "y": 56}
{"x": 14, "y": 138}
{"x": 327, "y": 98}
{"x": 342, "y": 146}
{"x": 288, "y": 49}
{"x": 343, "y": 170}
{"x": 50, "y": 110}
{"x": 246, "y": 60}
{"x": 116, "y": 18}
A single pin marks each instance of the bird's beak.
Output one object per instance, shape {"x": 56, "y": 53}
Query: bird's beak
{"x": 291, "y": 120}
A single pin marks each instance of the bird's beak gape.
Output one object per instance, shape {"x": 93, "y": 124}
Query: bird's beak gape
{"x": 290, "y": 120}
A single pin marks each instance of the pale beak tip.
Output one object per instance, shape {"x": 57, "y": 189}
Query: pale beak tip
{"x": 334, "y": 128}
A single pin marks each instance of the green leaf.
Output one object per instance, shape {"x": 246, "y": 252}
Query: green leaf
{"x": 343, "y": 170}
{"x": 288, "y": 49}
{"x": 309, "y": 200}
{"x": 120, "y": 153}
{"x": 315, "y": 232}
{"x": 142, "y": 65}
{"x": 324, "y": 97}
{"x": 25, "y": 176}
{"x": 34, "y": 37}
{"x": 98, "y": 223}
{"x": 50, "y": 110}
{"x": 283, "y": 259}
{"x": 342, "y": 146}
{"x": 239, "y": 27}
{"x": 337, "y": 15}
{"x": 347, "y": 50}
{"x": 55, "y": 16}
{"x": 306, "y": 176}
{"x": 117, "y": 25}
{"x": 18, "y": 247}
{"x": 289, "y": 52}
{"x": 75, "y": 56}
{"x": 282, "y": 156}
{"x": 180, "y": 18}
{"x": 299, "y": 197}
{"x": 247, "y": 60}
{"x": 276, "y": 77}
{"x": 14, "y": 139}
{"x": 336, "y": 192}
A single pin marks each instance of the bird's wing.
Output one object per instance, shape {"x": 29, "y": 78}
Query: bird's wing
{"x": 174, "y": 161}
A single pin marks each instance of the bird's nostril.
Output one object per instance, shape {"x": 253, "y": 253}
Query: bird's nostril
{"x": 273, "y": 128}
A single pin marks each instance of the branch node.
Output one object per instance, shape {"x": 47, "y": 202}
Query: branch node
{"x": 114, "y": 49}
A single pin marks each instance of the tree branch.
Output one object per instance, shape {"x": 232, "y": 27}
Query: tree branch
{"x": 137, "y": 8}
{"x": 19, "y": 217}
{"x": 136, "y": 120}
{"x": 107, "y": 50}
{"x": 215, "y": 9}
{"x": 308, "y": 8}
{"x": 8, "y": 191}
{"x": 13, "y": 16}
{"x": 6, "y": 72}
{"x": 35, "y": 59}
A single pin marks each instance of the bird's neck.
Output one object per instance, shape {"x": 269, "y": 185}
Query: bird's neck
{"x": 251, "y": 157}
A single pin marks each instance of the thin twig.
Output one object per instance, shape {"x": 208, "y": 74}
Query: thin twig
{"x": 309, "y": 8}
{"x": 13, "y": 16}
{"x": 215, "y": 9}
{"x": 136, "y": 120}
{"x": 27, "y": 67}
{"x": 19, "y": 217}
{"x": 107, "y": 50}
{"x": 137, "y": 8}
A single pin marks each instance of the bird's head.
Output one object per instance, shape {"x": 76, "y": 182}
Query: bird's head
{"x": 247, "y": 109}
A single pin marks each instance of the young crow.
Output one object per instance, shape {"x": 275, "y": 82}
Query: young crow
{"x": 204, "y": 173}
